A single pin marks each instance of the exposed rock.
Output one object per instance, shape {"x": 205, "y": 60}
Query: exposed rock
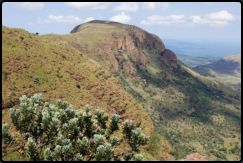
{"x": 194, "y": 157}
{"x": 170, "y": 57}
{"x": 163, "y": 75}
{"x": 128, "y": 67}
{"x": 182, "y": 69}
{"x": 120, "y": 59}
{"x": 130, "y": 40}
{"x": 169, "y": 78}
{"x": 144, "y": 38}
{"x": 143, "y": 67}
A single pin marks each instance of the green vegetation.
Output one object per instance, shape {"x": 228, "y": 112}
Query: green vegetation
{"x": 63, "y": 56}
{"x": 227, "y": 70}
{"x": 59, "y": 133}
{"x": 35, "y": 70}
{"x": 189, "y": 110}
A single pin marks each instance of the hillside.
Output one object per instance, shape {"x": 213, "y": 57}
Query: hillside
{"x": 193, "y": 112}
{"x": 32, "y": 65}
{"x": 227, "y": 70}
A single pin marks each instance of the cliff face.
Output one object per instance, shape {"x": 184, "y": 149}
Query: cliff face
{"x": 170, "y": 57}
{"x": 120, "y": 47}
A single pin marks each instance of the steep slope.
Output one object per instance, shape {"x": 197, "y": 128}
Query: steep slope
{"x": 227, "y": 70}
{"x": 194, "y": 113}
{"x": 31, "y": 64}
{"x": 113, "y": 45}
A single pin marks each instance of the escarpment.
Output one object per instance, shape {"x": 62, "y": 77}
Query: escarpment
{"x": 117, "y": 45}
{"x": 170, "y": 57}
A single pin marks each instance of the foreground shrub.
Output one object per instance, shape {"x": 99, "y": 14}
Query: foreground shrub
{"x": 61, "y": 133}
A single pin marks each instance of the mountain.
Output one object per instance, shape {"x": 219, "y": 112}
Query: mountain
{"x": 188, "y": 109}
{"x": 190, "y": 112}
{"x": 31, "y": 64}
{"x": 227, "y": 70}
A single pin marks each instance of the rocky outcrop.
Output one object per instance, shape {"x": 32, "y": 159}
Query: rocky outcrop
{"x": 169, "y": 78}
{"x": 182, "y": 69}
{"x": 144, "y": 39}
{"x": 170, "y": 57}
{"x": 163, "y": 75}
{"x": 194, "y": 157}
{"x": 128, "y": 67}
{"x": 110, "y": 46}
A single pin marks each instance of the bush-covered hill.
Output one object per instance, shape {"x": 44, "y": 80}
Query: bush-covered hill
{"x": 31, "y": 64}
{"x": 227, "y": 70}
{"x": 193, "y": 112}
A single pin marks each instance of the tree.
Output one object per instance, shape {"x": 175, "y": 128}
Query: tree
{"x": 37, "y": 33}
{"x": 61, "y": 133}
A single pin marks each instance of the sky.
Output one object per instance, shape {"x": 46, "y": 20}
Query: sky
{"x": 196, "y": 22}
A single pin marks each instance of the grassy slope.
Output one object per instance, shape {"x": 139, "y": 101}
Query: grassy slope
{"x": 90, "y": 36}
{"x": 58, "y": 70}
{"x": 169, "y": 103}
{"x": 215, "y": 120}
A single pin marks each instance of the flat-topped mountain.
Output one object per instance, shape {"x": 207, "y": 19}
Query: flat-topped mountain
{"x": 227, "y": 70}
{"x": 115, "y": 43}
{"x": 95, "y": 21}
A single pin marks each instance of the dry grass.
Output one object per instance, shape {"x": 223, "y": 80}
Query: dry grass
{"x": 58, "y": 69}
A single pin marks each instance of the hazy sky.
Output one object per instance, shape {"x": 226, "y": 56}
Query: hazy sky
{"x": 185, "y": 21}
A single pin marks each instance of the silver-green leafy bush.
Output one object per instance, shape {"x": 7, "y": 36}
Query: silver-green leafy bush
{"x": 63, "y": 133}
{"x": 8, "y": 138}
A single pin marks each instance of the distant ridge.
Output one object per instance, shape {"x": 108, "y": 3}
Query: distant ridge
{"x": 227, "y": 70}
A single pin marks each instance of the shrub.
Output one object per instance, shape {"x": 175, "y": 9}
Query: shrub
{"x": 63, "y": 56}
{"x": 36, "y": 79}
{"x": 8, "y": 138}
{"x": 59, "y": 75}
{"x": 21, "y": 37}
{"x": 5, "y": 76}
{"x": 65, "y": 134}
{"x": 223, "y": 149}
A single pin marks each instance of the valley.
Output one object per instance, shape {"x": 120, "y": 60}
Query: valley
{"x": 227, "y": 70}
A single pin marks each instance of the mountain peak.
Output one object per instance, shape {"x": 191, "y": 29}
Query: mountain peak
{"x": 95, "y": 22}
{"x": 104, "y": 22}
{"x": 117, "y": 44}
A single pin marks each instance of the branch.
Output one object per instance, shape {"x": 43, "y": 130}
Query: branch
{"x": 91, "y": 157}
{"x": 24, "y": 145}
{"x": 123, "y": 152}
{"x": 44, "y": 143}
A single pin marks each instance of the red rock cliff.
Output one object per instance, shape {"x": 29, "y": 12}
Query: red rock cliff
{"x": 111, "y": 46}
